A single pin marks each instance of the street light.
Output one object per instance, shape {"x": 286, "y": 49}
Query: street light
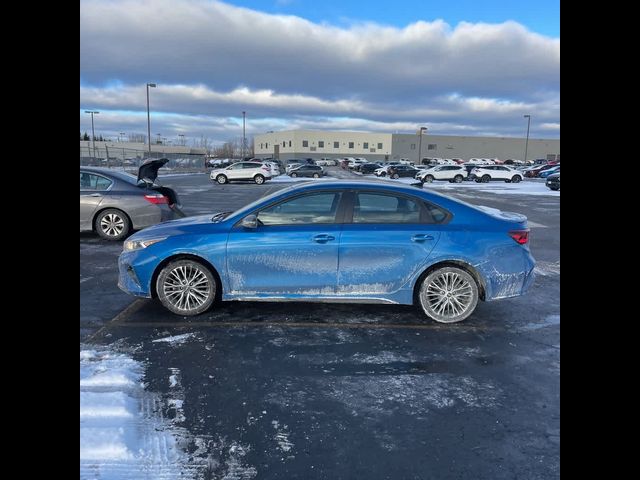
{"x": 422, "y": 129}
{"x": 244, "y": 140}
{"x": 152, "y": 85}
{"x": 93, "y": 132}
{"x": 526, "y": 145}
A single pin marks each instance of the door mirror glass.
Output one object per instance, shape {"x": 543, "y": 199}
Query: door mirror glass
{"x": 250, "y": 221}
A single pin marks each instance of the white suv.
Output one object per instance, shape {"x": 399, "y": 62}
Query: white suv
{"x": 496, "y": 172}
{"x": 452, "y": 173}
{"x": 258, "y": 172}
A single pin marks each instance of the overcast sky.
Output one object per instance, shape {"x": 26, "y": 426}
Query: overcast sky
{"x": 289, "y": 67}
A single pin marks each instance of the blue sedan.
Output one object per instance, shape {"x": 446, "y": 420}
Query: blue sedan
{"x": 364, "y": 242}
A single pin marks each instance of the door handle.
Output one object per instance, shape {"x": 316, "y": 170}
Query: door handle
{"x": 323, "y": 238}
{"x": 421, "y": 237}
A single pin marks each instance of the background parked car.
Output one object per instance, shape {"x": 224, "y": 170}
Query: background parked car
{"x": 258, "y": 172}
{"x": 114, "y": 203}
{"x": 451, "y": 173}
{"x": 397, "y": 171}
{"x": 487, "y": 173}
{"x": 549, "y": 171}
{"x": 314, "y": 171}
{"x": 535, "y": 170}
{"x": 327, "y": 162}
{"x": 368, "y": 168}
{"x": 553, "y": 181}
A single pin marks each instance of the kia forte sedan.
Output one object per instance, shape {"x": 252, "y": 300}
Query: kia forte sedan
{"x": 364, "y": 242}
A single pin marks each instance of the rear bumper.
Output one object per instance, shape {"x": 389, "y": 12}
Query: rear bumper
{"x": 510, "y": 276}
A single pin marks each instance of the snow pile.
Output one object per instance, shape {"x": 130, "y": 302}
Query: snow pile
{"x": 123, "y": 434}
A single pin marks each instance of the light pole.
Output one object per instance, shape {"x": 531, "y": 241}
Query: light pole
{"x": 121, "y": 134}
{"x": 422, "y": 129}
{"x": 159, "y": 141}
{"x": 152, "y": 85}
{"x": 93, "y": 132}
{"x": 181, "y": 135}
{"x": 526, "y": 145}
{"x": 244, "y": 141}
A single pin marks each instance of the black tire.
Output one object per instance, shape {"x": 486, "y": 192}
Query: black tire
{"x": 112, "y": 224}
{"x": 428, "y": 178}
{"x": 485, "y": 179}
{"x": 293, "y": 175}
{"x": 259, "y": 179}
{"x": 383, "y": 174}
{"x": 170, "y": 292}
{"x": 316, "y": 175}
{"x": 516, "y": 179}
{"x": 395, "y": 175}
{"x": 458, "y": 179}
{"x": 555, "y": 189}
{"x": 221, "y": 179}
{"x": 429, "y": 298}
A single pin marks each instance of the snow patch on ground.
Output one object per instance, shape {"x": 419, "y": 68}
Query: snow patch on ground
{"x": 176, "y": 339}
{"x": 498, "y": 187}
{"x": 282, "y": 436}
{"x": 123, "y": 434}
{"x": 548, "y": 321}
{"x": 547, "y": 269}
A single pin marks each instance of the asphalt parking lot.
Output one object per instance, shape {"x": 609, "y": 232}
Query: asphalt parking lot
{"x": 321, "y": 391}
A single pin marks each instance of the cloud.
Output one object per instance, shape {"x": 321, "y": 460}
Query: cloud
{"x": 211, "y": 58}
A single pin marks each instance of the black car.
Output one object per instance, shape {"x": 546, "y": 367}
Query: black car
{"x": 367, "y": 168}
{"x": 307, "y": 171}
{"x": 397, "y": 171}
{"x": 553, "y": 181}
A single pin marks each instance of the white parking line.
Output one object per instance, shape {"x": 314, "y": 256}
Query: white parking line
{"x": 85, "y": 279}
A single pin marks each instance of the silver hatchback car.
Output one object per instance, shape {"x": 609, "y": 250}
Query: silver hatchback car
{"x": 113, "y": 203}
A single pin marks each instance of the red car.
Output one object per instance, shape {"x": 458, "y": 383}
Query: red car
{"x": 535, "y": 171}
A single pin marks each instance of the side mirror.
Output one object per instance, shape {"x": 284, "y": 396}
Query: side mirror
{"x": 250, "y": 221}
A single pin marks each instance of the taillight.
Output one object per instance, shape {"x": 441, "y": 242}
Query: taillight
{"x": 157, "y": 199}
{"x": 266, "y": 169}
{"x": 520, "y": 236}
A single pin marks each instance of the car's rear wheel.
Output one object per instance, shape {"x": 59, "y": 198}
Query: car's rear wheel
{"x": 448, "y": 295}
{"x": 221, "y": 179}
{"x": 112, "y": 224}
{"x": 395, "y": 175}
{"x": 458, "y": 179}
{"x": 294, "y": 174}
{"x": 383, "y": 174}
{"x": 516, "y": 179}
{"x": 186, "y": 287}
{"x": 316, "y": 175}
{"x": 485, "y": 179}
{"x": 259, "y": 179}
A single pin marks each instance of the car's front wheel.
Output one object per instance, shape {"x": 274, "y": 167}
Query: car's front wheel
{"x": 221, "y": 179}
{"x": 112, "y": 224}
{"x": 293, "y": 175}
{"x": 186, "y": 287}
{"x": 395, "y": 175}
{"x": 448, "y": 295}
{"x": 316, "y": 175}
{"x": 428, "y": 178}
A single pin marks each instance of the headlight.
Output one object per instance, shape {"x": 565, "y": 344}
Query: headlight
{"x": 138, "y": 244}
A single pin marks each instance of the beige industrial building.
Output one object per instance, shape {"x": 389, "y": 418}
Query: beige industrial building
{"x": 378, "y": 147}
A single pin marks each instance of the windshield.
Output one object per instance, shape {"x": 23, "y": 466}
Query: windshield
{"x": 247, "y": 208}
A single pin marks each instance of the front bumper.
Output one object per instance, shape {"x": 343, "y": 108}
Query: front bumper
{"x": 133, "y": 280}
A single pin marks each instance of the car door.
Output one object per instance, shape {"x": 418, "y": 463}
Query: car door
{"x": 292, "y": 252}
{"x": 93, "y": 188}
{"x": 234, "y": 172}
{"x": 386, "y": 239}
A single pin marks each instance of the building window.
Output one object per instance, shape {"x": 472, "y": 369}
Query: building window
{"x": 379, "y": 146}
{"x": 305, "y": 143}
{"x": 289, "y": 142}
{"x": 350, "y": 144}
{"x": 372, "y": 150}
{"x": 365, "y": 145}
{"x": 260, "y": 145}
{"x": 321, "y": 144}
{"x": 413, "y": 146}
{"x": 336, "y": 144}
{"x": 432, "y": 146}
{"x": 284, "y": 144}
{"x": 266, "y": 145}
